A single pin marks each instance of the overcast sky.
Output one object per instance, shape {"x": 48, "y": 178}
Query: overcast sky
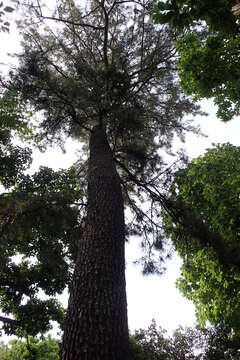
{"x": 152, "y": 296}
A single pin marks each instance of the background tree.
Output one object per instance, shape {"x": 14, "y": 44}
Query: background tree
{"x": 206, "y": 196}
{"x": 150, "y": 344}
{"x": 38, "y": 251}
{"x": 32, "y": 348}
{"x": 189, "y": 344}
{"x": 13, "y": 122}
{"x": 207, "y": 41}
{"x": 108, "y": 66}
{"x": 39, "y": 223}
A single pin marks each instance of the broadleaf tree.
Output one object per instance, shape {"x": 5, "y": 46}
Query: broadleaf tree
{"x": 30, "y": 349}
{"x": 212, "y": 343}
{"x": 106, "y": 76}
{"x": 145, "y": 344}
{"x": 14, "y": 159}
{"x": 207, "y": 41}
{"x": 206, "y": 196}
{"x": 40, "y": 224}
{"x": 40, "y": 220}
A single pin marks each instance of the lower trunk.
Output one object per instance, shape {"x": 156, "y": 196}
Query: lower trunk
{"x": 96, "y": 326}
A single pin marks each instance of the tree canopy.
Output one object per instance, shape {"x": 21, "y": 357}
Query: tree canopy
{"x": 30, "y": 349}
{"x": 13, "y": 120}
{"x": 39, "y": 223}
{"x": 207, "y": 41}
{"x": 206, "y": 194}
{"x": 109, "y": 63}
{"x": 212, "y": 343}
{"x": 152, "y": 343}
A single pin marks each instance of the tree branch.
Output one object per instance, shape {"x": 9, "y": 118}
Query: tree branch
{"x": 6, "y": 320}
{"x": 65, "y": 21}
{"x": 105, "y": 44}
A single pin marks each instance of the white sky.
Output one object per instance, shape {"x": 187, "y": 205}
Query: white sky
{"x": 152, "y": 296}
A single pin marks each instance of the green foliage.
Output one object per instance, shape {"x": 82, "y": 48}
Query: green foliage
{"x": 208, "y": 45}
{"x": 206, "y": 196}
{"x": 13, "y": 122}
{"x": 189, "y": 343}
{"x": 40, "y": 223}
{"x": 183, "y": 14}
{"x": 39, "y": 226}
{"x": 212, "y": 290}
{"x": 32, "y": 349}
{"x": 3, "y": 350}
{"x": 221, "y": 343}
{"x": 210, "y": 69}
{"x": 150, "y": 344}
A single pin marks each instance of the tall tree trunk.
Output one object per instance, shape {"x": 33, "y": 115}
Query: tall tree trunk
{"x": 96, "y": 327}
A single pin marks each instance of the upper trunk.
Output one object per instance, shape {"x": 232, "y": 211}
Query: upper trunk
{"x": 96, "y": 326}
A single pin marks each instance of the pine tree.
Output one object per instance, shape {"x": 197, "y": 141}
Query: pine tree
{"x": 107, "y": 76}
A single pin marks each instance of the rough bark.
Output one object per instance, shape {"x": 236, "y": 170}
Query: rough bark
{"x": 96, "y": 326}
